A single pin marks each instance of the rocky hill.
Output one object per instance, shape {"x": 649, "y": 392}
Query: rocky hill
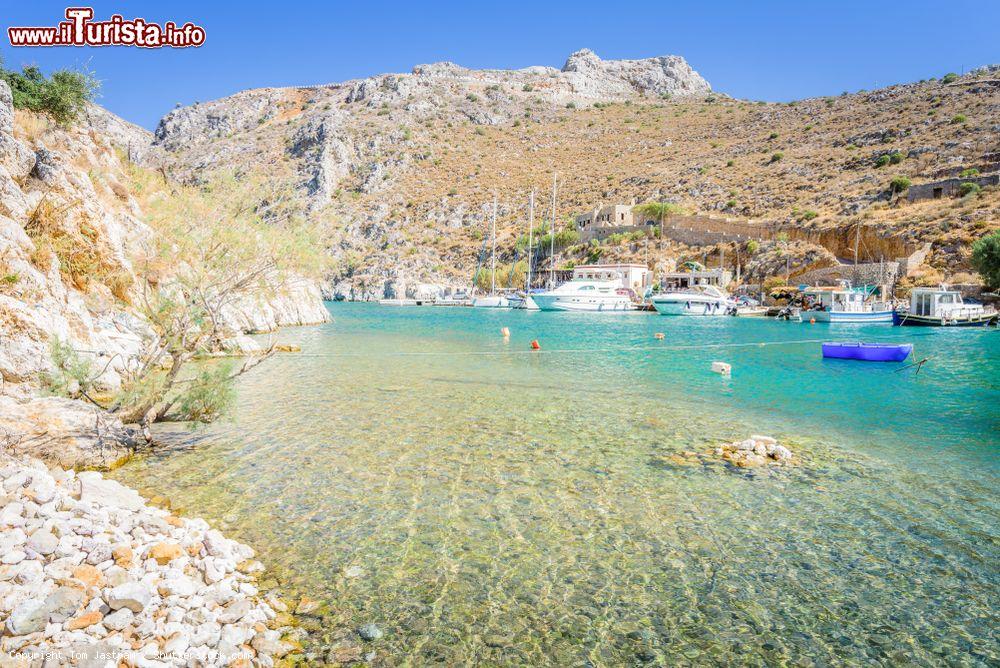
{"x": 69, "y": 223}
{"x": 404, "y": 166}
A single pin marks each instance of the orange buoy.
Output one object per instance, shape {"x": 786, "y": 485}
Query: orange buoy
{"x": 812, "y": 321}
{"x": 505, "y": 332}
{"x": 535, "y": 345}
{"x": 658, "y": 336}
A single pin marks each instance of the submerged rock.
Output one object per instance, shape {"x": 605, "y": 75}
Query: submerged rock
{"x": 370, "y": 632}
{"x": 754, "y": 451}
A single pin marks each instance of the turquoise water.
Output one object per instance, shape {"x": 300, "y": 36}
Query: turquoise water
{"x": 483, "y": 503}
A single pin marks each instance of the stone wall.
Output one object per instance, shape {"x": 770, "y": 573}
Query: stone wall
{"x": 947, "y": 187}
{"x": 869, "y": 273}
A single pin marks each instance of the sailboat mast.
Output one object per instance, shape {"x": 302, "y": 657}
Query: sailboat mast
{"x": 531, "y": 231}
{"x": 552, "y": 237}
{"x": 493, "y": 263}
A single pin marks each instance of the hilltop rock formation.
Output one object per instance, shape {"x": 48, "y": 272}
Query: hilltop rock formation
{"x": 660, "y": 76}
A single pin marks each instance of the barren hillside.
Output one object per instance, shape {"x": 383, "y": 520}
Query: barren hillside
{"x": 404, "y": 167}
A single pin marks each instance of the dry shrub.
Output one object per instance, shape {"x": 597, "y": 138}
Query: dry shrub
{"x": 83, "y": 256}
{"x": 29, "y": 126}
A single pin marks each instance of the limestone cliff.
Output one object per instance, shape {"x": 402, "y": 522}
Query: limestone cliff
{"x": 68, "y": 226}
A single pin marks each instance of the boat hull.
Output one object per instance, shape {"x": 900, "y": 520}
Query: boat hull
{"x": 909, "y": 320}
{"x": 491, "y": 302}
{"x": 404, "y": 302}
{"x": 867, "y": 352}
{"x": 523, "y": 303}
{"x": 847, "y": 317}
{"x": 565, "y": 303}
{"x": 690, "y": 308}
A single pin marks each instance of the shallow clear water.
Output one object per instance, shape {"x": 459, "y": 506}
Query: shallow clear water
{"x": 486, "y": 504}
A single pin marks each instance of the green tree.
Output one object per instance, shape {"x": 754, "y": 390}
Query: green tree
{"x": 969, "y": 188}
{"x": 230, "y": 241}
{"x": 63, "y": 95}
{"x": 658, "y": 211}
{"x": 986, "y": 258}
{"x": 899, "y": 184}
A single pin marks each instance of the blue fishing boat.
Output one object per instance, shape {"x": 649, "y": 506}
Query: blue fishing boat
{"x": 867, "y": 352}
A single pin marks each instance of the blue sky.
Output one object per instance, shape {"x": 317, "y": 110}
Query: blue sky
{"x": 778, "y": 50}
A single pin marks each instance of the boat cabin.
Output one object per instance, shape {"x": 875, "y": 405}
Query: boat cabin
{"x": 636, "y": 277}
{"x": 836, "y": 299}
{"x": 938, "y": 302}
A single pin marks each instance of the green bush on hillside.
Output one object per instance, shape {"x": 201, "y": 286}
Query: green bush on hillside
{"x": 948, "y": 78}
{"x": 899, "y": 184}
{"x": 969, "y": 188}
{"x": 63, "y": 95}
{"x": 986, "y": 258}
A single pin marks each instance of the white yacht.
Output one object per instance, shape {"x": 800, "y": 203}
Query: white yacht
{"x": 698, "y": 300}
{"x": 584, "y": 295}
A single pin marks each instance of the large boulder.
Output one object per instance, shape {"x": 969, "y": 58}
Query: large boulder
{"x": 64, "y": 431}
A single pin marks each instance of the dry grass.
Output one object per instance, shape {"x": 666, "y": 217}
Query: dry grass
{"x": 64, "y": 232}
{"x": 29, "y": 126}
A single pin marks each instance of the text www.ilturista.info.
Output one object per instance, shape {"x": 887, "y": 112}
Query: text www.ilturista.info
{"x": 80, "y": 30}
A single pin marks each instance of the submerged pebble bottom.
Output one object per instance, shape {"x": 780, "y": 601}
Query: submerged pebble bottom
{"x": 526, "y": 510}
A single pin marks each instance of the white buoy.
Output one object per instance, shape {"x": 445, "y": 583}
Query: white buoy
{"x": 722, "y": 367}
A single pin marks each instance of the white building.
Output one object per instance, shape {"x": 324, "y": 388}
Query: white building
{"x": 638, "y": 277}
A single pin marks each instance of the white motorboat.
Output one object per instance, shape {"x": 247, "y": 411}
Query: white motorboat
{"x": 698, "y": 300}
{"x": 585, "y": 295}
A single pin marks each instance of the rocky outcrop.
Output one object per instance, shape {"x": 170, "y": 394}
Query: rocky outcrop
{"x": 669, "y": 76}
{"x": 300, "y": 304}
{"x": 89, "y": 570}
{"x": 65, "y": 231}
{"x": 63, "y": 431}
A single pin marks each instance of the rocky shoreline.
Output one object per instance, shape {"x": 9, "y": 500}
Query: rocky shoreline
{"x": 92, "y": 575}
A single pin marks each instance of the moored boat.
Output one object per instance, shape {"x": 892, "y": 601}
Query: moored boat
{"x": 940, "y": 307}
{"x": 523, "y": 301}
{"x": 459, "y": 298}
{"x": 698, "y": 300}
{"x": 867, "y": 352}
{"x": 844, "y": 305}
{"x": 491, "y": 301}
{"x": 585, "y": 295}
{"x": 405, "y": 302}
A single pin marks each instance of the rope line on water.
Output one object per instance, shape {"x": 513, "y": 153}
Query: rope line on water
{"x": 624, "y": 349}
